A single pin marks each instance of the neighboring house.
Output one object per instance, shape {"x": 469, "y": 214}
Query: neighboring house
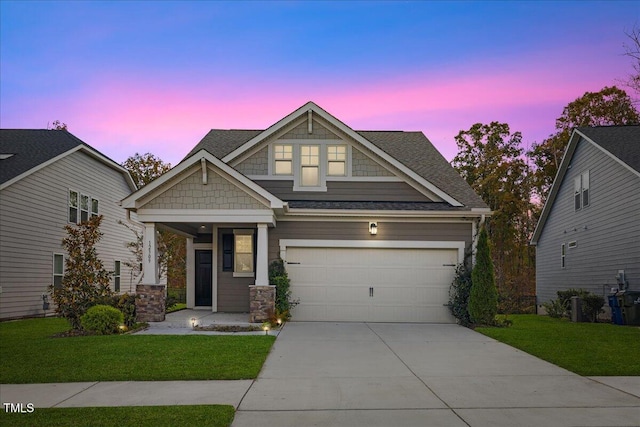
{"x": 48, "y": 179}
{"x": 589, "y": 229}
{"x": 371, "y": 224}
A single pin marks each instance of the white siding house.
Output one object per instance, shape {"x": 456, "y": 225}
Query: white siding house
{"x": 48, "y": 179}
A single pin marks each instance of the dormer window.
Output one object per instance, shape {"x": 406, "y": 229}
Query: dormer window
{"x": 310, "y": 165}
{"x": 283, "y": 156}
{"x": 337, "y": 160}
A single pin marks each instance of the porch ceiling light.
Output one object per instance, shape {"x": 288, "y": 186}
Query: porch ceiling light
{"x": 373, "y": 228}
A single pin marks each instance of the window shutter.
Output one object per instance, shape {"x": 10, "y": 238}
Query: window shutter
{"x": 227, "y": 252}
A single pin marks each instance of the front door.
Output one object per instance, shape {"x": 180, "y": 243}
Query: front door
{"x": 203, "y": 277}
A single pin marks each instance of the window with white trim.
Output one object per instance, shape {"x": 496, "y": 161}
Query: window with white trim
{"x": 74, "y": 204}
{"x": 581, "y": 191}
{"x": 562, "y": 255}
{"x": 283, "y": 157}
{"x": 309, "y": 165}
{"x": 94, "y": 207}
{"x": 336, "y": 160}
{"x": 243, "y": 253}
{"x": 116, "y": 276}
{"x": 58, "y": 270}
{"x": 84, "y": 207}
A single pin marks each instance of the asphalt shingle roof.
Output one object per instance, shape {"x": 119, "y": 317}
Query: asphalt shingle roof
{"x": 30, "y": 148}
{"x": 621, "y": 141}
{"x": 412, "y": 149}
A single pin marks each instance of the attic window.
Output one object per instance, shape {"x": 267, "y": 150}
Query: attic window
{"x": 5, "y": 156}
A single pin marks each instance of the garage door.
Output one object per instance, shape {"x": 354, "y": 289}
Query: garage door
{"x": 371, "y": 285}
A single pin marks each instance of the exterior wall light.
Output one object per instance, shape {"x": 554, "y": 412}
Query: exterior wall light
{"x": 373, "y": 228}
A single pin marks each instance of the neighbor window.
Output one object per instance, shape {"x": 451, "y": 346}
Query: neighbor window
{"x": 562, "y": 255}
{"x": 94, "y": 207}
{"x": 337, "y": 159}
{"x": 243, "y": 253}
{"x": 283, "y": 155}
{"x": 116, "y": 276}
{"x": 73, "y": 206}
{"x": 58, "y": 270}
{"x": 84, "y": 208}
{"x": 310, "y": 165}
{"x": 581, "y": 190}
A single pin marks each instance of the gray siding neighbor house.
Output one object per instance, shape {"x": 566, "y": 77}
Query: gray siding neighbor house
{"x": 48, "y": 179}
{"x": 589, "y": 229}
{"x": 370, "y": 224}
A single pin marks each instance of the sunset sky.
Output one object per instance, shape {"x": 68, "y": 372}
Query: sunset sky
{"x": 148, "y": 76}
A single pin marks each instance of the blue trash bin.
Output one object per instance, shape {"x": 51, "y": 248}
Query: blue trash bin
{"x": 616, "y": 310}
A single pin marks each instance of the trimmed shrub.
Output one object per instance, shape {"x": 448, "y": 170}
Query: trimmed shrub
{"x": 459, "y": 295}
{"x": 483, "y": 298}
{"x": 592, "y": 306}
{"x": 102, "y": 320}
{"x": 280, "y": 279}
{"x": 555, "y": 308}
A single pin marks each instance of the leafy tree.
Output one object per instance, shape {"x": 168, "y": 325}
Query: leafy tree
{"x": 145, "y": 168}
{"x": 610, "y": 106}
{"x": 483, "y": 299}
{"x": 85, "y": 282}
{"x": 58, "y": 125}
{"x": 171, "y": 247}
{"x": 632, "y": 50}
{"x": 490, "y": 159}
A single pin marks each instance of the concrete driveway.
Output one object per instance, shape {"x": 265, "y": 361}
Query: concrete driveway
{"x": 357, "y": 374}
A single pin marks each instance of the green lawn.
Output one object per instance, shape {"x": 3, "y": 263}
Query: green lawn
{"x": 588, "y": 349}
{"x": 177, "y": 307}
{"x": 138, "y": 416}
{"x": 30, "y": 355}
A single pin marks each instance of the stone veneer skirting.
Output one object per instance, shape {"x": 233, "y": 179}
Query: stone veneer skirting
{"x": 262, "y": 303}
{"x": 150, "y": 303}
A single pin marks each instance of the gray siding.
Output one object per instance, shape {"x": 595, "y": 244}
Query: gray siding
{"x": 348, "y": 191}
{"x": 611, "y": 239}
{"x": 233, "y": 292}
{"x": 33, "y": 212}
{"x": 358, "y": 230}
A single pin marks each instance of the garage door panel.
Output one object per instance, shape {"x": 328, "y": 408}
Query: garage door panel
{"x": 409, "y": 285}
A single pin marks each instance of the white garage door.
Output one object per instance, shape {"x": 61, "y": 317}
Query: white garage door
{"x": 372, "y": 285}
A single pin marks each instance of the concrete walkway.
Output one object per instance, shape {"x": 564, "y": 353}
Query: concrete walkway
{"x": 356, "y": 374}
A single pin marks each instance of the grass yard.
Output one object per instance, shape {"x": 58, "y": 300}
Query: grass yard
{"x": 29, "y": 354}
{"x": 138, "y": 416}
{"x": 588, "y": 349}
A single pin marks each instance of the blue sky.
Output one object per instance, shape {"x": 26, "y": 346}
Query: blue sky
{"x": 133, "y": 76}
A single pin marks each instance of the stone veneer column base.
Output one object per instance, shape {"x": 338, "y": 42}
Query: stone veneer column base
{"x": 262, "y": 303}
{"x": 150, "y": 303}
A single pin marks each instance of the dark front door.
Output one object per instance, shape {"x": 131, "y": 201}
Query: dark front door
{"x": 203, "y": 278}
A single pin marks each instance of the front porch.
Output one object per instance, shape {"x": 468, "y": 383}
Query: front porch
{"x": 182, "y": 323}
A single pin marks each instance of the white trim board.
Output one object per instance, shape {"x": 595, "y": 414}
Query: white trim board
{"x": 372, "y": 244}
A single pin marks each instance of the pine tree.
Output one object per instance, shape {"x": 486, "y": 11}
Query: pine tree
{"x": 483, "y": 300}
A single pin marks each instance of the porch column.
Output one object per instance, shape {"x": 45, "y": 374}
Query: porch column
{"x": 151, "y": 294}
{"x": 262, "y": 262}
{"x": 150, "y": 255}
{"x": 191, "y": 273}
